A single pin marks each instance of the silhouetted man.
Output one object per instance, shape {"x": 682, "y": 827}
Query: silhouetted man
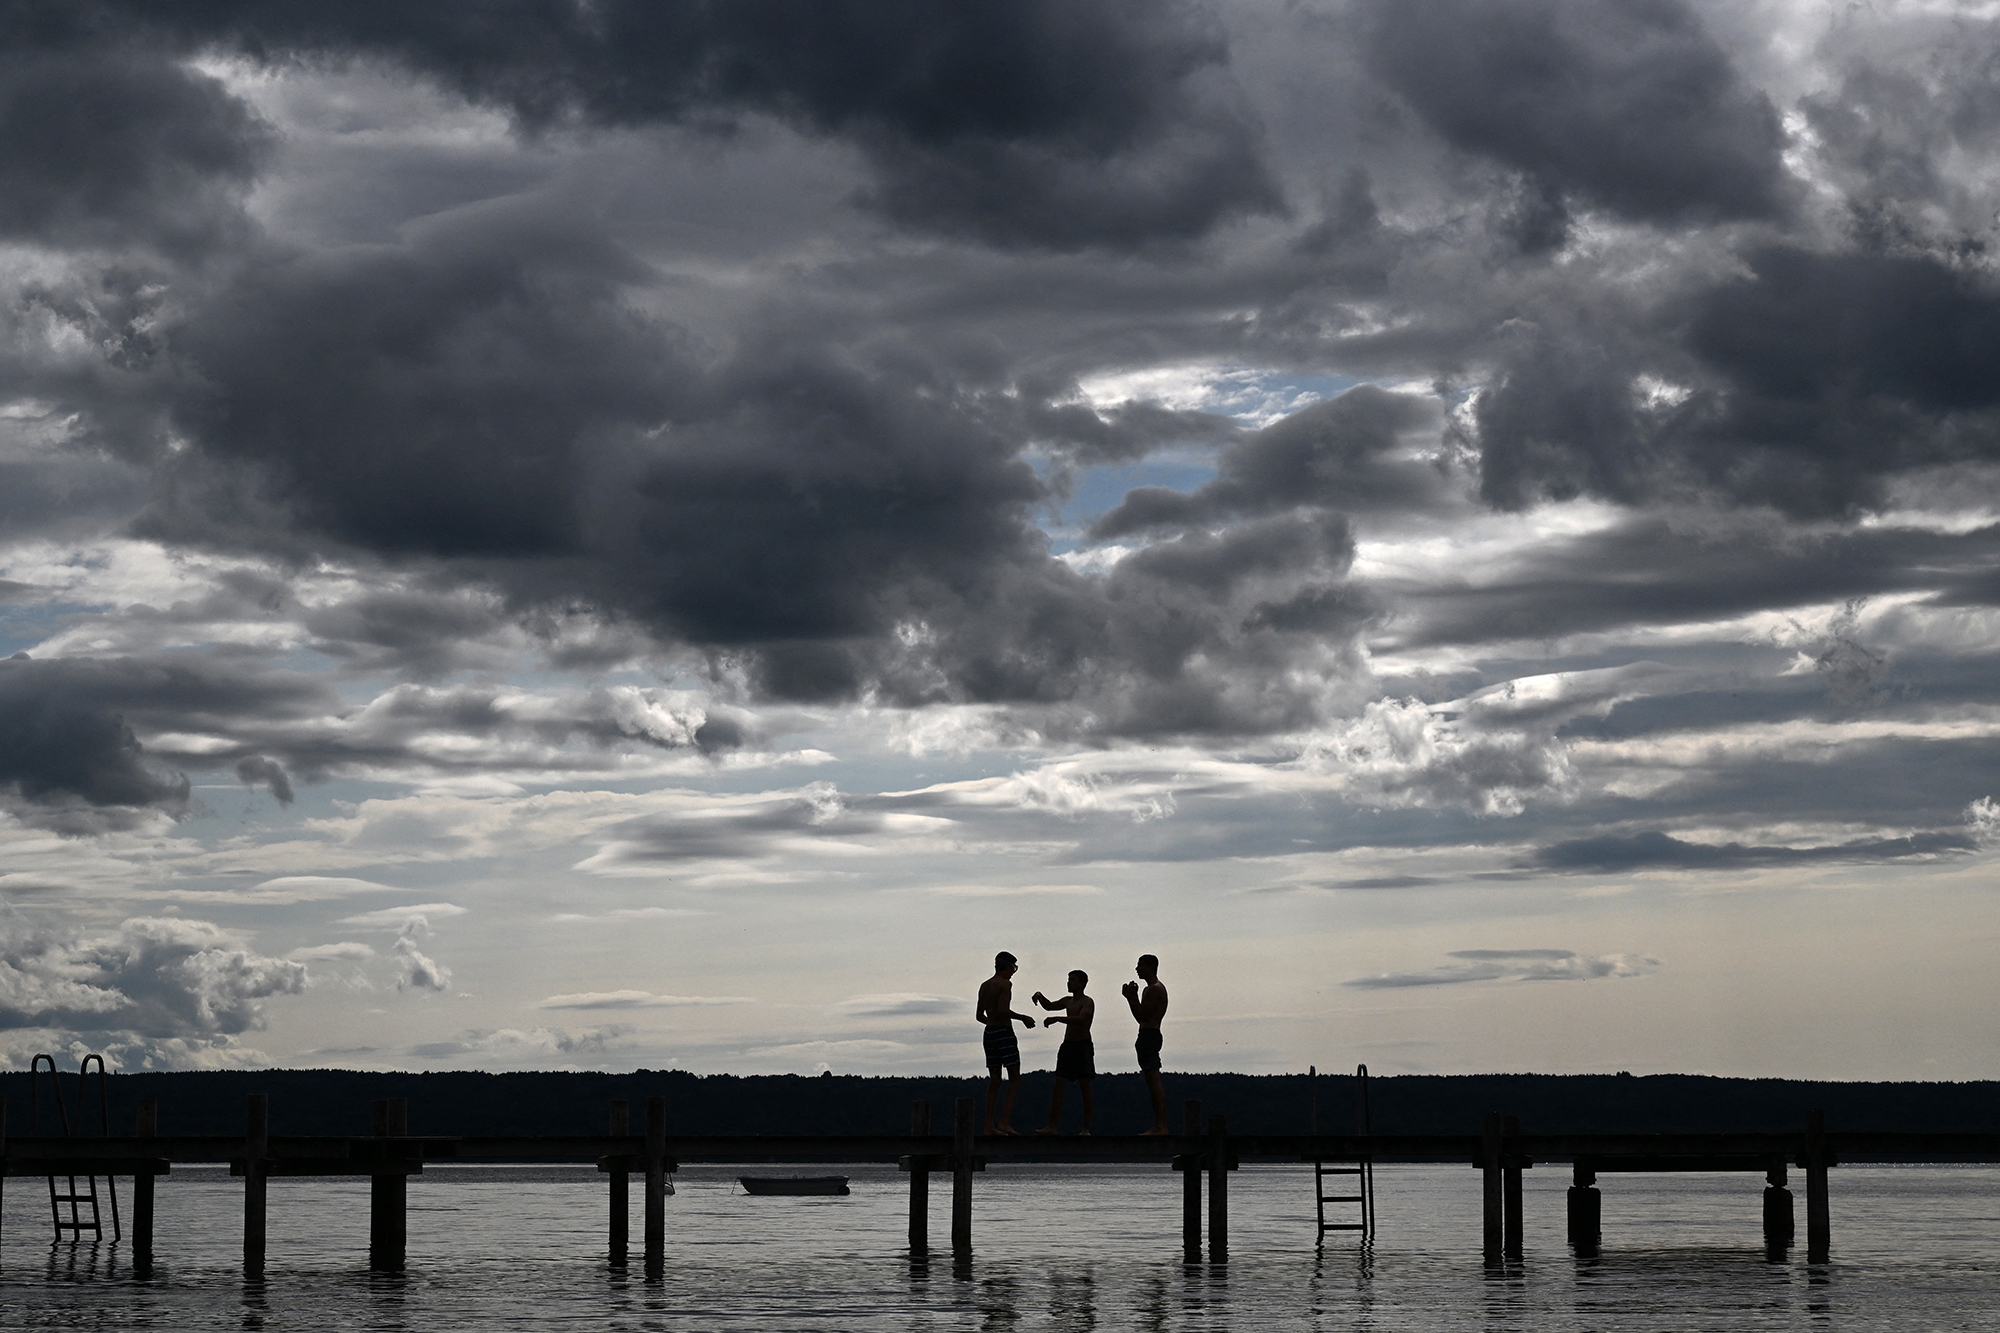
{"x": 1149, "y": 1006}
{"x": 996, "y": 995}
{"x": 1076, "y": 1060}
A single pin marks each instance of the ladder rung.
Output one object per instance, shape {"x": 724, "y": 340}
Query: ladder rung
{"x": 1343, "y": 1226}
{"x": 1342, "y": 1198}
{"x": 1340, "y": 1170}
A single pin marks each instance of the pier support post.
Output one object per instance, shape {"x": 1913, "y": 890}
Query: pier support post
{"x": 1218, "y": 1190}
{"x": 146, "y": 1126}
{"x": 1586, "y": 1210}
{"x": 961, "y": 1177}
{"x": 920, "y": 1180}
{"x": 656, "y": 1184}
{"x": 388, "y": 1188}
{"x": 1510, "y": 1186}
{"x": 256, "y": 1149}
{"x": 1819, "y": 1223}
{"x": 1780, "y": 1225}
{"x": 1191, "y": 1183}
{"x": 1493, "y": 1225}
{"x": 619, "y": 1231}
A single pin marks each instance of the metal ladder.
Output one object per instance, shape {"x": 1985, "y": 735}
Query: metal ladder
{"x": 74, "y": 1198}
{"x": 1361, "y": 1174}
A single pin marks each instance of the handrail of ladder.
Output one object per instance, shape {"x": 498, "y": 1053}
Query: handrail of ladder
{"x": 35, "y": 1094}
{"x": 104, "y": 1123}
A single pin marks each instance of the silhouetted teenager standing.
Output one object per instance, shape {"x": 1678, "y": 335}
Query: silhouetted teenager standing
{"x": 1149, "y": 1006}
{"x": 996, "y": 995}
{"x": 1076, "y": 1060}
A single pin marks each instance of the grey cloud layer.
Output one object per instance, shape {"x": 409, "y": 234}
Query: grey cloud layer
{"x": 1567, "y": 233}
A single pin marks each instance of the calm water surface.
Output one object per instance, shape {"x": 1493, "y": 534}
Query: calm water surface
{"x": 1061, "y": 1249}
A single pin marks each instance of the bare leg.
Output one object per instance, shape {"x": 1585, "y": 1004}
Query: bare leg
{"x": 992, "y": 1098}
{"x": 1085, "y": 1085}
{"x": 1055, "y": 1106}
{"x": 1158, "y": 1093}
{"x": 1013, "y": 1091}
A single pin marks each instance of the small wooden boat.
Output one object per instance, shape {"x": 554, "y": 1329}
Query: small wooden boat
{"x": 793, "y": 1184}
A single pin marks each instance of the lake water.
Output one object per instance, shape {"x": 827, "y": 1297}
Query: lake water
{"x": 1071, "y": 1248}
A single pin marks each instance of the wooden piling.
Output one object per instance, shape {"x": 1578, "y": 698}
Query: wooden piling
{"x": 1780, "y": 1225}
{"x": 620, "y": 1229}
{"x": 656, "y": 1184}
{"x": 1510, "y": 1187}
{"x": 1493, "y": 1218}
{"x": 1585, "y": 1209}
{"x": 388, "y": 1188}
{"x": 256, "y": 1151}
{"x": 1819, "y": 1223}
{"x": 961, "y": 1176}
{"x": 146, "y": 1126}
{"x": 1218, "y": 1190}
{"x": 920, "y": 1180}
{"x": 1191, "y": 1183}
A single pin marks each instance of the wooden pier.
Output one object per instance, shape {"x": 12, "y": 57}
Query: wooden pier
{"x": 1204, "y": 1153}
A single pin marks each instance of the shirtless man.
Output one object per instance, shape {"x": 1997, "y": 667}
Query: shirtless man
{"x": 1149, "y": 1006}
{"x": 996, "y": 995}
{"x": 1075, "y": 1060}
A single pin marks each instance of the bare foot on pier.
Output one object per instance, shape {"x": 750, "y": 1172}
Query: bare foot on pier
{"x": 1147, "y": 1133}
{"x": 1050, "y": 1130}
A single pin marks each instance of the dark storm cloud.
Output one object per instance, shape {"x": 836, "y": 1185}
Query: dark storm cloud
{"x": 257, "y": 771}
{"x": 112, "y": 147}
{"x": 1816, "y": 379}
{"x": 58, "y": 750}
{"x": 1064, "y": 123}
{"x": 1655, "y": 571}
{"x": 1630, "y": 104}
{"x": 831, "y": 521}
{"x": 1333, "y": 454}
{"x": 68, "y": 749}
{"x": 426, "y": 399}
{"x": 1654, "y": 850}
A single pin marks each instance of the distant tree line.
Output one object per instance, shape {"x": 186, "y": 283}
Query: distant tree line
{"x": 336, "y": 1101}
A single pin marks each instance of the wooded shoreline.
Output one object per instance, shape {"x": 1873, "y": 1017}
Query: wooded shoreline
{"x": 334, "y": 1101}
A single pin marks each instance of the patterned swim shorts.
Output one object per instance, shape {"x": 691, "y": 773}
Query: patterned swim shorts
{"x": 1148, "y": 1047}
{"x": 1002, "y": 1051}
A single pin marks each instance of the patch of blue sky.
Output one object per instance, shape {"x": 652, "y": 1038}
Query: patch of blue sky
{"x": 1096, "y": 490}
{"x": 1252, "y": 397}
{"x": 24, "y": 626}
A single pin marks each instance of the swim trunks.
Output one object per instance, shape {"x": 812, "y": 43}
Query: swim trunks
{"x": 1076, "y": 1059}
{"x": 1002, "y": 1051}
{"x": 1148, "y": 1047}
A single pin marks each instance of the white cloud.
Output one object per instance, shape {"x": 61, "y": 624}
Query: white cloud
{"x": 636, "y": 999}
{"x": 1013, "y": 890}
{"x": 1514, "y": 965}
{"x": 399, "y": 918}
{"x": 288, "y": 889}
{"x": 900, "y": 1003}
{"x": 152, "y": 977}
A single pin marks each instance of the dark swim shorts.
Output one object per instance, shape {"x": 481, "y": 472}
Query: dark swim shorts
{"x": 1002, "y": 1051}
{"x": 1148, "y": 1047}
{"x": 1076, "y": 1059}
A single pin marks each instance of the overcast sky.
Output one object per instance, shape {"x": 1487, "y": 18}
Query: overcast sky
{"x": 611, "y": 533}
